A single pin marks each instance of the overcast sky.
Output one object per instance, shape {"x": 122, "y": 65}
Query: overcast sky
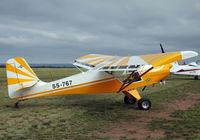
{"x": 58, "y": 31}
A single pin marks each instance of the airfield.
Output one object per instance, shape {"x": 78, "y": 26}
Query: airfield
{"x": 175, "y": 113}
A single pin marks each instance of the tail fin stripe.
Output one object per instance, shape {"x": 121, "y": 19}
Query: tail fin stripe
{"x": 19, "y": 76}
{"x": 12, "y": 81}
{"x": 20, "y": 67}
{"x": 15, "y": 70}
{"x": 26, "y": 66}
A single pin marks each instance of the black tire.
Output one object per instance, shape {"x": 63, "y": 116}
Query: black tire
{"x": 196, "y": 77}
{"x": 128, "y": 100}
{"x": 144, "y": 104}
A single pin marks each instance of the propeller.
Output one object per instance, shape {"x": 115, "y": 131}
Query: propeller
{"x": 161, "y": 47}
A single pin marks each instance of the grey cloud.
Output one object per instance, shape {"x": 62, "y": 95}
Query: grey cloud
{"x": 58, "y": 31}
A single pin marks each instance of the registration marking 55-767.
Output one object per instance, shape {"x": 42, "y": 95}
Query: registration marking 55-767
{"x": 62, "y": 84}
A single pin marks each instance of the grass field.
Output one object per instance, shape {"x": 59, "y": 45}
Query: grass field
{"x": 103, "y": 116}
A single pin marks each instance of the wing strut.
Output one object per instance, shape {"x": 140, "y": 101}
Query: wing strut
{"x": 136, "y": 77}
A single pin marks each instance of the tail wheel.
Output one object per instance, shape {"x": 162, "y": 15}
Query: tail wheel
{"x": 144, "y": 104}
{"x": 128, "y": 100}
{"x": 16, "y": 105}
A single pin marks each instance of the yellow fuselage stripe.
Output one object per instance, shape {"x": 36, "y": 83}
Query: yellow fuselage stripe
{"x": 68, "y": 88}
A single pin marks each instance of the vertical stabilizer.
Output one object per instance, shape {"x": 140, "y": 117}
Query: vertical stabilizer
{"x": 19, "y": 75}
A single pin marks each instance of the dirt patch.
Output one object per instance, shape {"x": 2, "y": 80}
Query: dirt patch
{"x": 138, "y": 128}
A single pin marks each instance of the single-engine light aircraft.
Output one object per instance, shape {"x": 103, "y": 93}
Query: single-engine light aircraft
{"x": 104, "y": 74}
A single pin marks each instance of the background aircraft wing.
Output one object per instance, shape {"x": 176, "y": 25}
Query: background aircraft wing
{"x": 129, "y": 63}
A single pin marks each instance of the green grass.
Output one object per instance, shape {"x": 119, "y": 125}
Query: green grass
{"x": 78, "y": 116}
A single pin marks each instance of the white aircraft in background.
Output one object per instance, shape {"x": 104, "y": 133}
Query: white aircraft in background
{"x": 191, "y": 69}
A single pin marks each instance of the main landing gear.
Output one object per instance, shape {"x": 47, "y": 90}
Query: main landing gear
{"x": 131, "y": 97}
{"x": 143, "y": 104}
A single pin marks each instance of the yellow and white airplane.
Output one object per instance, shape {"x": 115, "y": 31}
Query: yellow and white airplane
{"x": 105, "y": 74}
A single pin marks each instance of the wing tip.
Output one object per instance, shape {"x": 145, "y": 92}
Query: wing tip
{"x": 188, "y": 54}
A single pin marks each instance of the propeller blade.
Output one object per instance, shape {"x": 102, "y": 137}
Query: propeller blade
{"x": 161, "y": 47}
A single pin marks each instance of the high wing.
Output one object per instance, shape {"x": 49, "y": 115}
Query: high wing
{"x": 109, "y": 63}
{"x": 119, "y": 63}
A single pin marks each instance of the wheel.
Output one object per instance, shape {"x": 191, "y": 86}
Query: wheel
{"x": 144, "y": 104}
{"x": 128, "y": 100}
{"x": 196, "y": 77}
